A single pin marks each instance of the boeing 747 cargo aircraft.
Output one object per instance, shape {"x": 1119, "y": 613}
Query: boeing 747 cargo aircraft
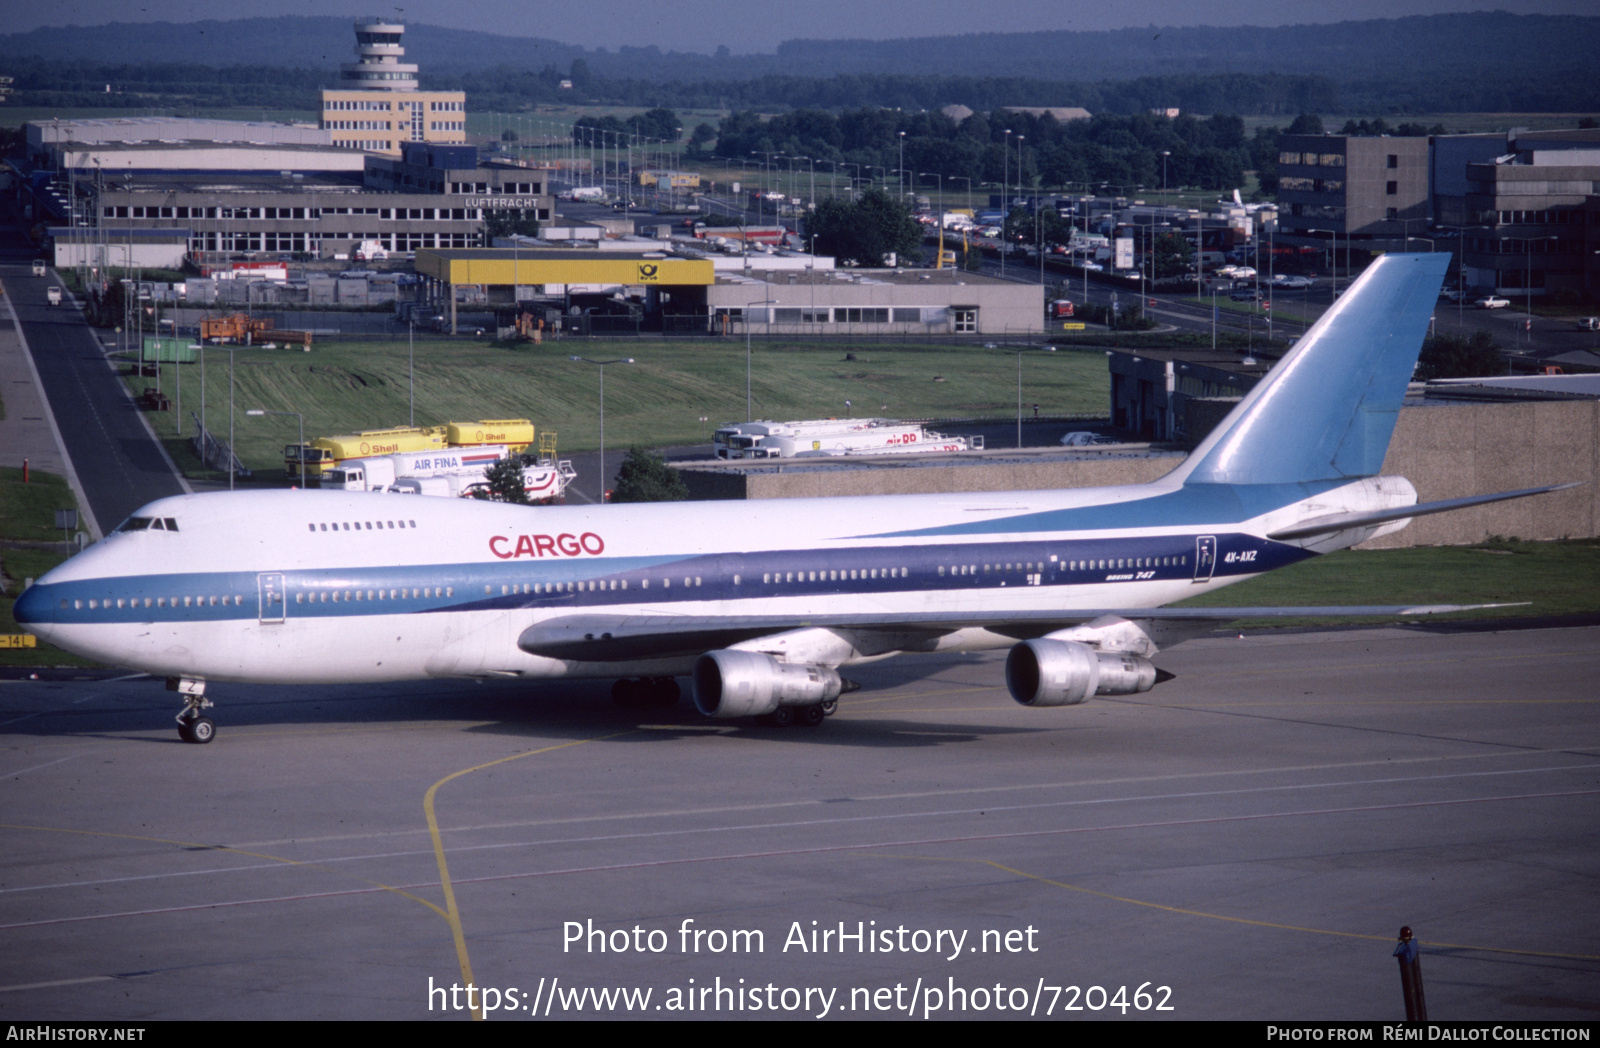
{"x": 761, "y": 603}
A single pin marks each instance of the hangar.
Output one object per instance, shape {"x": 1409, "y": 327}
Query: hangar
{"x": 669, "y": 283}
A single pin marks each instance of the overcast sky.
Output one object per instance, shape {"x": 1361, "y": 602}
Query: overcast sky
{"x": 753, "y": 26}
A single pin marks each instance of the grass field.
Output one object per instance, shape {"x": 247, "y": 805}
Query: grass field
{"x": 27, "y": 513}
{"x": 1553, "y": 578}
{"x": 673, "y": 393}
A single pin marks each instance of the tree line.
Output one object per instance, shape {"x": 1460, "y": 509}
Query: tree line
{"x": 1018, "y": 149}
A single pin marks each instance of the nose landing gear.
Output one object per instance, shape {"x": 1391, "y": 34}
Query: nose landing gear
{"x": 193, "y": 725}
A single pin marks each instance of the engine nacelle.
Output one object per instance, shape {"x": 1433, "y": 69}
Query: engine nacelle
{"x": 749, "y": 684}
{"x": 1047, "y": 672}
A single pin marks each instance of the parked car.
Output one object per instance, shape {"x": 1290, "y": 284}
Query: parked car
{"x": 1491, "y": 302}
{"x": 1292, "y": 282}
{"x": 1589, "y": 323}
{"x": 1245, "y": 294}
{"x": 1082, "y": 438}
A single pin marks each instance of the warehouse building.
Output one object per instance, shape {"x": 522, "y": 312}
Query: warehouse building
{"x": 797, "y": 301}
{"x": 261, "y": 190}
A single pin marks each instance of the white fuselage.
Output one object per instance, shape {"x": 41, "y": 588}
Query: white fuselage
{"x": 317, "y": 586}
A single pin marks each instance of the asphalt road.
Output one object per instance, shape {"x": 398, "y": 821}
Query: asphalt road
{"x": 1242, "y": 842}
{"x": 118, "y": 461}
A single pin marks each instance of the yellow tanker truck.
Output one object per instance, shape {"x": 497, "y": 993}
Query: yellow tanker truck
{"x": 307, "y": 462}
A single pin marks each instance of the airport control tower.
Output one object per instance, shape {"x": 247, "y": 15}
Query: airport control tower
{"x": 378, "y": 105}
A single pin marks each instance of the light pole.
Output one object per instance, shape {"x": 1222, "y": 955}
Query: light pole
{"x": 1020, "y": 139}
{"x": 748, "y": 417}
{"x": 970, "y": 213}
{"x": 855, "y": 175}
{"x": 901, "y": 174}
{"x": 1528, "y": 280}
{"x": 939, "y": 214}
{"x": 1019, "y": 352}
{"x": 302, "y": 420}
{"x": 601, "y": 364}
{"x": 233, "y": 458}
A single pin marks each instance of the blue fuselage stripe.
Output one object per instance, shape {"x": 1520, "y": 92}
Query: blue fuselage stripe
{"x": 593, "y": 582}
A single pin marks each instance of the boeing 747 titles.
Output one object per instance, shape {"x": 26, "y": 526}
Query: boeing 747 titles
{"x": 760, "y": 604}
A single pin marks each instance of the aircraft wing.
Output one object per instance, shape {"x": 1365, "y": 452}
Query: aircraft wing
{"x": 600, "y": 638}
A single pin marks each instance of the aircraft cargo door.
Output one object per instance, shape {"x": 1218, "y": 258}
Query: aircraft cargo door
{"x": 269, "y": 590}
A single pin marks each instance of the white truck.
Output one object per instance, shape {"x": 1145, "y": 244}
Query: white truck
{"x": 545, "y": 482}
{"x": 379, "y": 472}
{"x": 829, "y": 437}
{"x": 446, "y": 472}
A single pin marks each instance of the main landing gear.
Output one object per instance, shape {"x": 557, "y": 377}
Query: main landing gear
{"x": 639, "y": 693}
{"x": 193, "y": 725}
{"x": 810, "y": 716}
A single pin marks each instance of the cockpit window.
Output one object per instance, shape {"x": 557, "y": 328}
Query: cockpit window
{"x": 149, "y": 524}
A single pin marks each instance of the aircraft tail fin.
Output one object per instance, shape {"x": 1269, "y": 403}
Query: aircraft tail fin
{"x": 1328, "y": 409}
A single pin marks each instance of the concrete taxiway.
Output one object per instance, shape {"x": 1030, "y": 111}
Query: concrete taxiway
{"x": 1242, "y": 842}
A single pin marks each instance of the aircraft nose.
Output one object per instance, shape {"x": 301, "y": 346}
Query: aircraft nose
{"x": 34, "y": 610}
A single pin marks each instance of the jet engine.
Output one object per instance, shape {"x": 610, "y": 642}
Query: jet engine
{"x": 1047, "y": 672}
{"x": 749, "y": 684}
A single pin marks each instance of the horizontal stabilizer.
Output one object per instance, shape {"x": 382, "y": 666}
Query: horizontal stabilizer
{"x": 1343, "y": 521}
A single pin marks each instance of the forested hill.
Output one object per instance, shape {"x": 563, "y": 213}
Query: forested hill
{"x": 1481, "y": 61}
{"x": 1348, "y": 52}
